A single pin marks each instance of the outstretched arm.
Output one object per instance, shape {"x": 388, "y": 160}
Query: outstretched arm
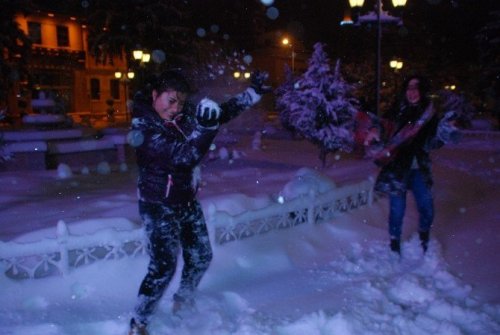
{"x": 249, "y": 97}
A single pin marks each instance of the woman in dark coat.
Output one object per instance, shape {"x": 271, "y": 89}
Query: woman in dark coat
{"x": 409, "y": 132}
{"x": 171, "y": 137}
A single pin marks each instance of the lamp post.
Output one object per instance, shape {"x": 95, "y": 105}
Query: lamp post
{"x": 378, "y": 17}
{"x": 286, "y": 42}
{"x": 239, "y": 75}
{"x": 141, "y": 56}
{"x": 125, "y": 78}
{"x": 396, "y": 65}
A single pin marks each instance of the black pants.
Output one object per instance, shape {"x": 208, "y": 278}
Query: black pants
{"x": 167, "y": 227}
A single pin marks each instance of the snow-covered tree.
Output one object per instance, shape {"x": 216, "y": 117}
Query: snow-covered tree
{"x": 320, "y": 105}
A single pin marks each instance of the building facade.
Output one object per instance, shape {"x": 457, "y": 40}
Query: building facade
{"x": 64, "y": 77}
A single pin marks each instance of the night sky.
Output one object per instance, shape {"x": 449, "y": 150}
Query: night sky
{"x": 451, "y": 25}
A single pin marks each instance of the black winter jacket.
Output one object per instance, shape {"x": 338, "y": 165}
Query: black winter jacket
{"x": 393, "y": 178}
{"x": 169, "y": 152}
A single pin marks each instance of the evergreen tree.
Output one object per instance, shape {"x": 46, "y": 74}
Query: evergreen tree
{"x": 320, "y": 106}
{"x": 456, "y": 103}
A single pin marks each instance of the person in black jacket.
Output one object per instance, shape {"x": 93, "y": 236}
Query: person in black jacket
{"x": 171, "y": 137}
{"x": 409, "y": 132}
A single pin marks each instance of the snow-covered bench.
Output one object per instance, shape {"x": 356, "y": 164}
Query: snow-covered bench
{"x": 80, "y": 153}
{"x": 76, "y": 147}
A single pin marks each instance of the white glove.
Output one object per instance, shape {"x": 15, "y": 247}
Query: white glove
{"x": 208, "y": 113}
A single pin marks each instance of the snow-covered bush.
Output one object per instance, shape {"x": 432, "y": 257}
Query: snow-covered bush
{"x": 459, "y": 105}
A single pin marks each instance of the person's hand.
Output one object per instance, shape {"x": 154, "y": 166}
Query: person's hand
{"x": 208, "y": 113}
{"x": 257, "y": 82}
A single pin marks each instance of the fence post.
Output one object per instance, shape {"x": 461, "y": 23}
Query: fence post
{"x": 62, "y": 241}
{"x": 310, "y": 209}
{"x": 211, "y": 222}
{"x": 371, "y": 191}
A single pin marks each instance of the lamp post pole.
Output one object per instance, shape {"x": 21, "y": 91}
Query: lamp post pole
{"x": 379, "y": 56}
{"x": 286, "y": 42}
{"x": 378, "y": 18}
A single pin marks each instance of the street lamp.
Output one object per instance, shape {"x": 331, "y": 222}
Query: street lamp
{"x": 125, "y": 78}
{"x": 379, "y": 17}
{"x": 137, "y": 54}
{"x": 238, "y": 75}
{"x": 286, "y": 42}
{"x": 141, "y": 56}
{"x": 396, "y": 65}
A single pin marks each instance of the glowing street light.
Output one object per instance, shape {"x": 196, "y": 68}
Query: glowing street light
{"x": 146, "y": 57}
{"x": 286, "y": 42}
{"x": 238, "y": 75}
{"x": 137, "y": 54}
{"x": 124, "y": 78}
{"x": 378, "y": 17}
{"x": 396, "y": 64}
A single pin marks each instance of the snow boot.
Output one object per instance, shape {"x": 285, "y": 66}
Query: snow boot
{"x": 137, "y": 328}
{"x": 424, "y": 240}
{"x": 396, "y": 245}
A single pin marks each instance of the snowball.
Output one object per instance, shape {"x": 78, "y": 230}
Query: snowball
{"x": 248, "y": 59}
{"x": 267, "y": 2}
{"x": 223, "y": 153}
{"x": 214, "y": 28}
{"x": 201, "y": 32}
{"x": 272, "y": 13}
{"x": 135, "y": 138}
{"x": 64, "y": 171}
{"x": 158, "y": 56}
{"x": 103, "y": 168}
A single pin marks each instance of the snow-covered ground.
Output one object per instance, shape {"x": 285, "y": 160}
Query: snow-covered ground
{"x": 332, "y": 278}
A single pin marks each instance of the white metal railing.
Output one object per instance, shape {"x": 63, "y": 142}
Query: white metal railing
{"x": 311, "y": 208}
{"x": 59, "y": 255}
